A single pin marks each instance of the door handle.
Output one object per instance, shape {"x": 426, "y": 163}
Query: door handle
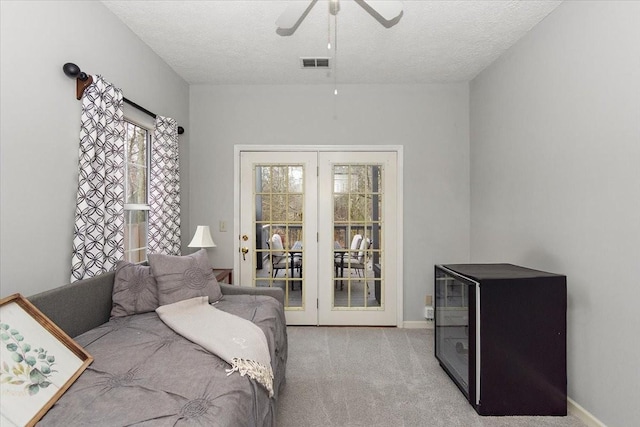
{"x": 244, "y": 251}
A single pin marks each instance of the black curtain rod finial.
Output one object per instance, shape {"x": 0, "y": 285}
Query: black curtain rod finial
{"x": 82, "y": 79}
{"x": 73, "y": 71}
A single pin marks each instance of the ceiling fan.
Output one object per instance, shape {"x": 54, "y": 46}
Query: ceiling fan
{"x": 387, "y": 13}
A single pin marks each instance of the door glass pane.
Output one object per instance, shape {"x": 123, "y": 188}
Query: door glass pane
{"x": 358, "y": 207}
{"x": 263, "y": 179}
{"x": 294, "y": 207}
{"x": 278, "y": 207}
{"x": 340, "y": 207}
{"x": 295, "y": 179}
{"x": 263, "y": 205}
{"x": 279, "y": 211}
{"x": 359, "y": 176}
{"x": 357, "y": 233}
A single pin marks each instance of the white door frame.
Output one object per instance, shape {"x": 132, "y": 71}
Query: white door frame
{"x": 237, "y": 149}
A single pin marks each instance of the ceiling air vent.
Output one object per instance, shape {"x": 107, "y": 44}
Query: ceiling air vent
{"x": 314, "y": 62}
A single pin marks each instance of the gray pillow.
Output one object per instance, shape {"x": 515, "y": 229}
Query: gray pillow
{"x": 134, "y": 290}
{"x": 184, "y": 277}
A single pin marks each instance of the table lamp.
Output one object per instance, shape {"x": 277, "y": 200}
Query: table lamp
{"x": 202, "y": 238}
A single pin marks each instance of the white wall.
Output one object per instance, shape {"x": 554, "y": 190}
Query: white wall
{"x": 555, "y": 185}
{"x": 40, "y": 119}
{"x": 430, "y": 121}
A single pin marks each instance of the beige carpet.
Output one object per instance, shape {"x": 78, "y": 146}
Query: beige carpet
{"x": 349, "y": 376}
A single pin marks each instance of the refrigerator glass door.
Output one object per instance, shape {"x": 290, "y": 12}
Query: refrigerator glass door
{"x": 452, "y": 327}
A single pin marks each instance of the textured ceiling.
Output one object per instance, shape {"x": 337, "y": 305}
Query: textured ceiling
{"x": 235, "y": 42}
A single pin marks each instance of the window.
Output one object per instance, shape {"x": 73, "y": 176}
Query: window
{"x": 136, "y": 203}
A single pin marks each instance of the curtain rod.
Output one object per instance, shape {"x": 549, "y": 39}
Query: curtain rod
{"x": 83, "y": 80}
{"x": 147, "y": 112}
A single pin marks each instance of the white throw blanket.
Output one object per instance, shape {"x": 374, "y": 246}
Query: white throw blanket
{"x": 234, "y": 339}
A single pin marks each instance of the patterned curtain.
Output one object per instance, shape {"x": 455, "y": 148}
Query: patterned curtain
{"x": 99, "y": 216}
{"x": 164, "y": 214}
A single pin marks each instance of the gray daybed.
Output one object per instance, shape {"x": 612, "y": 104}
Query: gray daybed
{"x": 145, "y": 374}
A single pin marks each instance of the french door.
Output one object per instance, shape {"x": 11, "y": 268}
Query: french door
{"x": 278, "y": 228}
{"x": 322, "y": 226}
{"x": 356, "y": 257}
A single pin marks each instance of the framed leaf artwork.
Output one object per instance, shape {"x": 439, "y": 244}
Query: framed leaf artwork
{"x": 38, "y": 362}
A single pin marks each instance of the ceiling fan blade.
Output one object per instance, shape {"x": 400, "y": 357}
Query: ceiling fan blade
{"x": 388, "y": 13}
{"x": 293, "y": 15}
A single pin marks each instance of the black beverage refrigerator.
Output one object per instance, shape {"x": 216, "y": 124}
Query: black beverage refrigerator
{"x": 500, "y": 334}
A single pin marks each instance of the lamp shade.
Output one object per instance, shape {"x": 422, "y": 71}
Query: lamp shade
{"x": 202, "y": 238}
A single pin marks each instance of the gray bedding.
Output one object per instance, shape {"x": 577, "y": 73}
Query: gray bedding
{"x": 144, "y": 374}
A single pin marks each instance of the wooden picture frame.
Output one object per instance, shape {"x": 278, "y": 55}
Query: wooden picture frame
{"x": 38, "y": 362}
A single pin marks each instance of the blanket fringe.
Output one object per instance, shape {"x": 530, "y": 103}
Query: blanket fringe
{"x": 257, "y": 371}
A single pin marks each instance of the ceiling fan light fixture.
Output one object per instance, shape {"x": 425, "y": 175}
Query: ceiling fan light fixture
{"x": 334, "y": 7}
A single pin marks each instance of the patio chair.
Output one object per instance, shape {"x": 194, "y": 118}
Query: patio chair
{"x": 280, "y": 260}
{"x": 342, "y": 256}
{"x": 357, "y": 261}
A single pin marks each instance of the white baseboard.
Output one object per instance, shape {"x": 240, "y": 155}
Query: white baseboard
{"x": 585, "y": 416}
{"x": 417, "y": 324}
